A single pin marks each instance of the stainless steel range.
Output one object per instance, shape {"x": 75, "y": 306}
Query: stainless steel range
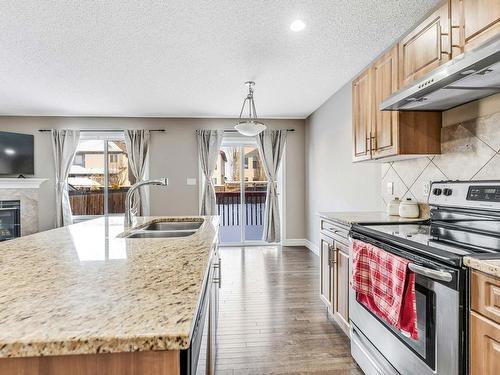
{"x": 464, "y": 220}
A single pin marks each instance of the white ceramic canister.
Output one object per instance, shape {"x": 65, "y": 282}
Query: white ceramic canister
{"x": 393, "y": 207}
{"x": 408, "y": 208}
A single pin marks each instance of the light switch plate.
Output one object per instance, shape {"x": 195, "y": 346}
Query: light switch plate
{"x": 390, "y": 188}
{"x": 191, "y": 181}
{"x": 425, "y": 188}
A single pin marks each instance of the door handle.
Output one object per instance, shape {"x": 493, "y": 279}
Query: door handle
{"x": 428, "y": 272}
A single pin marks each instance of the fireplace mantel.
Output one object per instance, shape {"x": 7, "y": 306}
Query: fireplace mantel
{"x": 21, "y": 183}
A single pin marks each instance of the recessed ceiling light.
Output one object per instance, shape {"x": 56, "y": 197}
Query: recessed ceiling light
{"x": 297, "y": 25}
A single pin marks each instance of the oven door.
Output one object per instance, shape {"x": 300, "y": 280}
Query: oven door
{"x": 379, "y": 348}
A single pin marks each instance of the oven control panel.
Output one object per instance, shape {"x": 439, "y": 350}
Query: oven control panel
{"x": 484, "y": 193}
{"x": 470, "y": 194}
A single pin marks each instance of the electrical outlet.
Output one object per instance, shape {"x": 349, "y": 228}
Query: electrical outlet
{"x": 425, "y": 188}
{"x": 390, "y": 188}
{"x": 191, "y": 181}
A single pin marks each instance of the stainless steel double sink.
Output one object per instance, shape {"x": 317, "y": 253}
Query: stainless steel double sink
{"x": 166, "y": 229}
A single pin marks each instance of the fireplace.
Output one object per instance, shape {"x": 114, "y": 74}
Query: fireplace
{"x": 10, "y": 219}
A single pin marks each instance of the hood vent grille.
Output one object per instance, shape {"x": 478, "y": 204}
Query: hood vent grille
{"x": 472, "y": 76}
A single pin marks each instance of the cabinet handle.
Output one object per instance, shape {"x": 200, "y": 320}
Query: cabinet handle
{"x": 459, "y": 45}
{"x": 218, "y": 280}
{"x": 333, "y": 230}
{"x": 373, "y": 145}
{"x": 441, "y": 35}
{"x": 331, "y": 255}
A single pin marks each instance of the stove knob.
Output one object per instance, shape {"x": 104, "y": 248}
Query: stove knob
{"x": 437, "y": 191}
{"x": 447, "y": 192}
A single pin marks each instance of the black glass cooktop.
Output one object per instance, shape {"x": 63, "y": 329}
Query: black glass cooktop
{"x": 421, "y": 234}
{"x": 445, "y": 242}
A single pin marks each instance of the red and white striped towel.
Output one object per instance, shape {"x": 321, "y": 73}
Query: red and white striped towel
{"x": 385, "y": 286}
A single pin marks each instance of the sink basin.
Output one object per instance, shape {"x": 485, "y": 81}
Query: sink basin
{"x": 166, "y": 229}
{"x": 160, "y": 234}
{"x": 174, "y": 225}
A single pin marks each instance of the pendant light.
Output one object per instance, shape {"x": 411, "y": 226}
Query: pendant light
{"x": 249, "y": 126}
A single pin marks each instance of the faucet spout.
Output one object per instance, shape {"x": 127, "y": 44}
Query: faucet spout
{"x": 128, "y": 199}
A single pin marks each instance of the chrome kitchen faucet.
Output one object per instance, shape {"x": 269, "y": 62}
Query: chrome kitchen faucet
{"x": 130, "y": 193}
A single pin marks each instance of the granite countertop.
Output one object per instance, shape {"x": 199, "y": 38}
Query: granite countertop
{"x": 482, "y": 263}
{"x": 375, "y": 217}
{"x": 81, "y": 289}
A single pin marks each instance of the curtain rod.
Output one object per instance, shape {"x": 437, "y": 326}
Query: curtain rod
{"x": 102, "y": 130}
{"x": 236, "y": 131}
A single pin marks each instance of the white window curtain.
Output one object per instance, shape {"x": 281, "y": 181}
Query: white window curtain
{"x": 64, "y": 145}
{"x": 137, "y": 143}
{"x": 209, "y": 143}
{"x": 271, "y": 144}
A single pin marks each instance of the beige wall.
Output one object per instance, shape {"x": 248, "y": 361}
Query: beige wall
{"x": 173, "y": 155}
{"x": 333, "y": 182}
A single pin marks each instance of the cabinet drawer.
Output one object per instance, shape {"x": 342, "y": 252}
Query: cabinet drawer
{"x": 334, "y": 230}
{"x": 485, "y": 295}
{"x": 484, "y": 346}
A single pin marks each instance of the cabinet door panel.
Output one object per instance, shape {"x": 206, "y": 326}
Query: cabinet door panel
{"x": 476, "y": 21}
{"x": 361, "y": 114}
{"x": 385, "y": 123}
{"x": 484, "y": 345}
{"x": 214, "y": 316}
{"x": 341, "y": 286}
{"x": 426, "y": 47}
{"x": 326, "y": 274}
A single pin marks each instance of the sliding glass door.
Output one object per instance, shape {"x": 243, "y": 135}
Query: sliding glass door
{"x": 240, "y": 187}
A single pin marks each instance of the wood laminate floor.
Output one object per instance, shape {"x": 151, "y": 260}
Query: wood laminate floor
{"x": 271, "y": 318}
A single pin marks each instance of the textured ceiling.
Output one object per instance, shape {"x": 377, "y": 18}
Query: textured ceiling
{"x": 188, "y": 58}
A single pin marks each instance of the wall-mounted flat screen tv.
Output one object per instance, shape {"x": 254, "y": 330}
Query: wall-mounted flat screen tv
{"x": 16, "y": 154}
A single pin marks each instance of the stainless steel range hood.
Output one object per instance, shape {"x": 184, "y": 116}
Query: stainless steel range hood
{"x": 471, "y": 76}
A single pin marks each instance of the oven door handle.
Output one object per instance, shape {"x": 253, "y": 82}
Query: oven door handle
{"x": 428, "y": 272}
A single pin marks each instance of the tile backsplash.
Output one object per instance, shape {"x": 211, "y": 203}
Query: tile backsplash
{"x": 470, "y": 150}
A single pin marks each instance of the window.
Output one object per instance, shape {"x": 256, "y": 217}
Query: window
{"x": 99, "y": 177}
{"x": 246, "y": 163}
{"x": 79, "y": 160}
{"x": 255, "y": 163}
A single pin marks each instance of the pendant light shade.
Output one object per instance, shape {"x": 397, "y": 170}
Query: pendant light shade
{"x": 249, "y": 126}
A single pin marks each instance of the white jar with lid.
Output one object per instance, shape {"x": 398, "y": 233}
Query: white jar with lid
{"x": 393, "y": 207}
{"x": 408, "y": 208}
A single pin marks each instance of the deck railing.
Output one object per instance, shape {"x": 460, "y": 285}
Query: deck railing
{"x": 228, "y": 207}
{"x": 91, "y": 202}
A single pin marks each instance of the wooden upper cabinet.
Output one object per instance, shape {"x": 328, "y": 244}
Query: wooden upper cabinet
{"x": 473, "y": 22}
{"x": 382, "y": 134}
{"x": 384, "y": 137}
{"x": 361, "y": 116}
{"x": 426, "y": 47}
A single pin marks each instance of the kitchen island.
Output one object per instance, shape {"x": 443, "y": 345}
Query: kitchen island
{"x": 85, "y": 299}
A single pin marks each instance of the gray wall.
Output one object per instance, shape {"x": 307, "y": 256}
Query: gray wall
{"x": 173, "y": 154}
{"x": 333, "y": 181}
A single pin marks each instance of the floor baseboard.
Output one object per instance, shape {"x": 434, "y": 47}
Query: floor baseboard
{"x": 301, "y": 242}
